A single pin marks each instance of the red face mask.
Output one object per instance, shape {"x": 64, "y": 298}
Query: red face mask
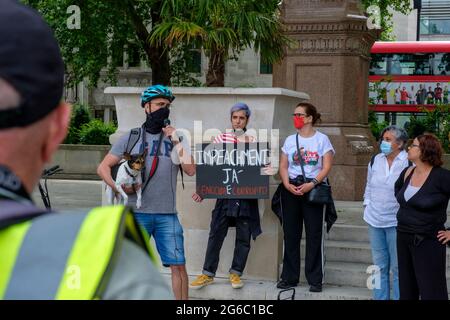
{"x": 299, "y": 122}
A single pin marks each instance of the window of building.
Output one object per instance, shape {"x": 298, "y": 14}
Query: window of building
{"x": 133, "y": 55}
{"x": 435, "y": 17}
{"x": 265, "y": 68}
{"x": 434, "y": 27}
{"x": 194, "y": 61}
{"x": 117, "y": 56}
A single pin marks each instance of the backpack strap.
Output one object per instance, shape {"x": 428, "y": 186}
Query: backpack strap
{"x": 135, "y": 134}
{"x": 181, "y": 168}
{"x": 372, "y": 160}
{"x": 182, "y": 175}
{"x": 155, "y": 161}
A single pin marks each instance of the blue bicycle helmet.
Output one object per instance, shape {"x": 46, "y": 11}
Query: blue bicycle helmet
{"x": 156, "y": 91}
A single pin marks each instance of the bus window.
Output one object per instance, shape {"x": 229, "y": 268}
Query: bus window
{"x": 394, "y": 64}
{"x": 441, "y": 64}
{"x": 422, "y": 64}
{"x": 378, "y": 64}
{"x": 401, "y": 64}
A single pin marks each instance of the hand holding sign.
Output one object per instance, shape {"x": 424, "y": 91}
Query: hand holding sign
{"x": 196, "y": 197}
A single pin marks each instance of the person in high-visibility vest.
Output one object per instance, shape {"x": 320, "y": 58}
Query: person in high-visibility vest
{"x": 99, "y": 254}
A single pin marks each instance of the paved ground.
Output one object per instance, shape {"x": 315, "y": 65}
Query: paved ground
{"x": 71, "y": 194}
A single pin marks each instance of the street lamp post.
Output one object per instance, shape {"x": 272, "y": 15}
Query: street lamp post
{"x": 418, "y": 6}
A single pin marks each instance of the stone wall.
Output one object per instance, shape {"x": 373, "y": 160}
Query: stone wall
{"x": 79, "y": 162}
{"x": 197, "y": 111}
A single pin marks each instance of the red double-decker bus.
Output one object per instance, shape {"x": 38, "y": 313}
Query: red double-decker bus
{"x": 407, "y": 76}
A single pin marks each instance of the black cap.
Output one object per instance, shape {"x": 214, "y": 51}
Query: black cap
{"x": 30, "y": 61}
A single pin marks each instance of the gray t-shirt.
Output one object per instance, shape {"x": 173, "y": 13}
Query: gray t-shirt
{"x": 160, "y": 193}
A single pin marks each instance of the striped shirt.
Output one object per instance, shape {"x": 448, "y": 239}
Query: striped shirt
{"x": 230, "y": 137}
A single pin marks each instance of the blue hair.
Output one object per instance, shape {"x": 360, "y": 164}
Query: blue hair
{"x": 240, "y": 106}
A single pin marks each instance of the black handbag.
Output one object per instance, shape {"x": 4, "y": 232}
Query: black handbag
{"x": 321, "y": 193}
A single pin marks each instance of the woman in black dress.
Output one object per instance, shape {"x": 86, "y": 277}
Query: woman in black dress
{"x": 423, "y": 192}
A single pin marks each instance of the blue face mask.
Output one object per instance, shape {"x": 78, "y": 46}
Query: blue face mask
{"x": 386, "y": 147}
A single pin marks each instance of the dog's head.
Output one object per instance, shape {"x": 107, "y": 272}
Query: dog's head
{"x": 135, "y": 161}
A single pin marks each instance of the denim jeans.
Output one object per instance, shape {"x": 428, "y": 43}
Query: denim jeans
{"x": 168, "y": 234}
{"x": 383, "y": 242}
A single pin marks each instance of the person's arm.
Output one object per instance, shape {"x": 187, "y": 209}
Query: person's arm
{"x": 327, "y": 164}
{"x": 185, "y": 157}
{"x": 284, "y": 165}
{"x": 104, "y": 170}
{"x": 401, "y": 180}
{"x": 444, "y": 235}
{"x": 111, "y": 159}
{"x": 445, "y": 178}
{"x": 367, "y": 190}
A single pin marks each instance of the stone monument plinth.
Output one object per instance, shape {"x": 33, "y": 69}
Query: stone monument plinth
{"x": 330, "y": 61}
{"x": 200, "y": 112}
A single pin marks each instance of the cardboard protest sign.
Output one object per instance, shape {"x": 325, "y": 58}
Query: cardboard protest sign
{"x": 232, "y": 170}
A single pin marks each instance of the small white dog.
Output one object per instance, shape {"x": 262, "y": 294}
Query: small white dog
{"x": 128, "y": 175}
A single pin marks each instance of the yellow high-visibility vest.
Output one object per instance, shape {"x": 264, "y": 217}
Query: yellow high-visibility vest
{"x": 65, "y": 255}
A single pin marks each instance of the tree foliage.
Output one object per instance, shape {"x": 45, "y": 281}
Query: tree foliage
{"x": 106, "y": 27}
{"x": 222, "y": 28}
{"x": 386, "y": 9}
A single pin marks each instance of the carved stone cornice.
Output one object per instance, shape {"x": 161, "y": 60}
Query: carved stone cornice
{"x": 325, "y": 27}
{"x": 314, "y": 4}
{"x": 333, "y": 45}
{"x": 335, "y": 38}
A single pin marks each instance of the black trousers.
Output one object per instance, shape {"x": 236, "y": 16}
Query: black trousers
{"x": 421, "y": 268}
{"x": 217, "y": 233}
{"x": 296, "y": 211}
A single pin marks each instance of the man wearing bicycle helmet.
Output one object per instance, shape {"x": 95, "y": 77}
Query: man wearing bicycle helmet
{"x": 158, "y": 212}
{"x": 44, "y": 255}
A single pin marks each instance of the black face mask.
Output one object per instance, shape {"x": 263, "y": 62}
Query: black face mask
{"x": 155, "y": 120}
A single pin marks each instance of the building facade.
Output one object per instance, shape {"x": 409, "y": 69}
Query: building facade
{"x": 248, "y": 70}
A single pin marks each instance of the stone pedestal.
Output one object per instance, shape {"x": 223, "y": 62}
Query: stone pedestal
{"x": 200, "y": 113}
{"x": 330, "y": 61}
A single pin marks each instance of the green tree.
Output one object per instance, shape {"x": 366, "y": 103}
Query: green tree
{"x": 96, "y": 132}
{"x": 436, "y": 121}
{"x": 375, "y": 126}
{"x": 107, "y": 26}
{"x": 80, "y": 117}
{"x": 387, "y": 7}
{"x": 222, "y": 28}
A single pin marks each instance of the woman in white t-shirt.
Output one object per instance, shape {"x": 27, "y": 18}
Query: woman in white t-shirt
{"x": 317, "y": 153}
